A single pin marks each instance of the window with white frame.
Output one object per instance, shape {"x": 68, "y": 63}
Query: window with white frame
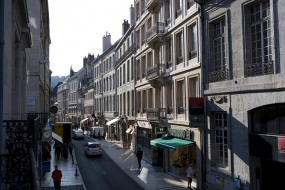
{"x": 221, "y": 139}
{"x": 193, "y": 87}
{"x": 219, "y": 45}
{"x": 260, "y": 32}
{"x": 192, "y": 41}
{"x": 179, "y": 47}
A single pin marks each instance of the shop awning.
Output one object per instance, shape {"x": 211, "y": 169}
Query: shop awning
{"x": 56, "y": 137}
{"x": 84, "y": 120}
{"x": 129, "y": 130}
{"x": 170, "y": 143}
{"x": 113, "y": 121}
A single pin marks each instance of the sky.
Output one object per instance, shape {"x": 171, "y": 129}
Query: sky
{"x": 77, "y": 28}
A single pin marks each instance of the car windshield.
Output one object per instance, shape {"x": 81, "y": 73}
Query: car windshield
{"x": 78, "y": 132}
{"x": 94, "y": 145}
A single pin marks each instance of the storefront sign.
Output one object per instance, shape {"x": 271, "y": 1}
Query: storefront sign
{"x": 182, "y": 134}
{"x": 160, "y": 130}
{"x": 196, "y": 106}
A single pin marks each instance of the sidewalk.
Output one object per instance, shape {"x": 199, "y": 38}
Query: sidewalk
{"x": 69, "y": 181}
{"x": 149, "y": 177}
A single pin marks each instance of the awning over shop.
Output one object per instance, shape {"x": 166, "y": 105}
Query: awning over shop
{"x": 113, "y": 121}
{"x": 83, "y": 120}
{"x": 56, "y": 137}
{"x": 129, "y": 130}
{"x": 170, "y": 143}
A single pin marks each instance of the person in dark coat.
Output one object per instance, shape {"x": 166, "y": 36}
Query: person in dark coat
{"x": 65, "y": 151}
{"x": 139, "y": 157}
{"x": 57, "y": 148}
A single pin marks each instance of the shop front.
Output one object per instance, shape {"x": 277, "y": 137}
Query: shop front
{"x": 143, "y": 139}
{"x": 179, "y": 151}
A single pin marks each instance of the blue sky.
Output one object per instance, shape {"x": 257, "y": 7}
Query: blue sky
{"x": 77, "y": 28}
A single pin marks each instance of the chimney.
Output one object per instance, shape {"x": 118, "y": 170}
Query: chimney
{"x": 90, "y": 57}
{"x": 106, "y": 41}
{"x": 132, "y": 15}
{"x": 71, "y": 73}
{"x": 125, "y": 27}
{"x": 84, "y": 61}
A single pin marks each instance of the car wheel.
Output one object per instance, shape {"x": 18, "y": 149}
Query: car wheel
{"x": 100, "y": 154}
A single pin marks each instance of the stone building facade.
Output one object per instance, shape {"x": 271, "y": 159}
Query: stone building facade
{"x": 244, "y": 93}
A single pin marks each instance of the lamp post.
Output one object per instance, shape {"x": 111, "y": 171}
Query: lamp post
{"x": 43, "y": 62}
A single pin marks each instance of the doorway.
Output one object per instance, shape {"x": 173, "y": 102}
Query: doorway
{"x": 271, "y": 174}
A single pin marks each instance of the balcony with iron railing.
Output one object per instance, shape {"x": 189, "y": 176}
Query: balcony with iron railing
{"x": 130, "y": 50}
{"x": 155, "y": 34}
{"x": 155, "y": 71}
{"x": 138, "y": 77}
{"x": 168, "y": 64}
{"x": 169, "y": 110}
{"x": 156, "y": 113}
{"x": 179, "y": 60}
{"x": 152, "y": 5}
{"x": 167, "y": 21}
{"x": 258, "y": 69}
{"x": 217, "y": 76}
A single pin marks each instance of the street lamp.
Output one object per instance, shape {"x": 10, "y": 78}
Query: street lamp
{"x": 43, "y": 62}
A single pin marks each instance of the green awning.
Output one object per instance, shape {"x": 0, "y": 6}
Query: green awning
{"x": 170, "y": 143}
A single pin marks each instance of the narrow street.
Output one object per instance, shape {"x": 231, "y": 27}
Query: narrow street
{"x": 100, "y": 172}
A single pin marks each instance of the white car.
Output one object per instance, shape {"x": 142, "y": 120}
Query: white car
{"x": 77, "y": 134}
{"x": 93, "y": 148}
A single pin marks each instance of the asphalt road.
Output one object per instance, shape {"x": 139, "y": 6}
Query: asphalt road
{"x": 101, "y": 172}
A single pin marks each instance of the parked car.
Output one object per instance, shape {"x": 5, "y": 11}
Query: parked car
{"x": 77, "y": 134}
{"x": 93, "y": 148}
{"x": 94, "y": 131}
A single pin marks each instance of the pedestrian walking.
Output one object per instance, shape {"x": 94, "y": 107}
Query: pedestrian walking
{"x": 99, "y": 135}
{"x": 76, "y": 126}
{"x": 139, "y": 156}
{"x": 65, "y": 151}
{"x": 189, "y": 175}
{"x": 70, "y": 146}
{"x": 57, "y": 148}
{"x": 56, "y": 176}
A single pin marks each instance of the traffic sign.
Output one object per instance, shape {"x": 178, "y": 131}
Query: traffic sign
{"x": 53, "y": 109}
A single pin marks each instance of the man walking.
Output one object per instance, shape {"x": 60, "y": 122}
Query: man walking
{"x": 56, "y": 176}
{"x": 139, "y": 156}
{"x": 99, "y": 135}
{"x": 70, "y": 146}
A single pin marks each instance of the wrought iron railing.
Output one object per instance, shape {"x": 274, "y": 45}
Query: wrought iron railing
{"x": 155, "y": 71}
{"x": 144, "y": 110}
{"x": 218, "y": 75}
{"x": 258, "y": 69}
{"x": 168, "y": 21}
{"x": 156, "y": 29}
{"x": 23, "y": 144}
{"x": 138, "y": 77}
{"x": 156, "y": 113}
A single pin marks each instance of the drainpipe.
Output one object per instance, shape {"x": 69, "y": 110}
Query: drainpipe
{"x": 202, "y": 94}
{"x": 2, "y": 43}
